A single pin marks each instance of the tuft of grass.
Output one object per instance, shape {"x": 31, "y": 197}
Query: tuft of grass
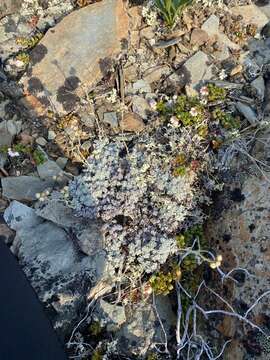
{"x": 170, "y": 9}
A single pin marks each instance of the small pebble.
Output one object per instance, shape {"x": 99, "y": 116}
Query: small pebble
{"x": 51, "y": 135}
{"x": 61, "y": 162}
{"x": 41, "y": 141}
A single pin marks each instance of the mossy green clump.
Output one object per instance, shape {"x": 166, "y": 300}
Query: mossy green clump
{"x": 20, "y": 148}
{"x": 152, "y": 356}
{"x": 97, "y": 355}
{"x": 186, "y": 238}
{"x": 162, "y": 283}
{"x": 4, "y": 149}
{"x": 188, "y": 110}
{"x": 95, "y": 328}
{"x": 24, "y": 57}
{"x": 216, "y": 93}
{"x": 39, "y": 157}
{"x": 226, "y": 120}
{"x": 30, "y": 42}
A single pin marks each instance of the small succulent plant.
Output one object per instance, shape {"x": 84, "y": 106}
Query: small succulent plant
{"x": 170, "y": 9}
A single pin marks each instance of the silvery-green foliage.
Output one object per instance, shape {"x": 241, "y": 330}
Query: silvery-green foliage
{"x": 131, "y": 188}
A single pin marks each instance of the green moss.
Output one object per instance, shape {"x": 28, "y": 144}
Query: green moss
{"x": 188, "y": 110}
{"x": 186, "y": 238}
{"x": 226, "y": 120}
{"x": 39, "y": 157}
{"x": 152, "y": 356}
{"x": 202, "y": 131}
{"x": 24, "y": 57}
{"x": 95, "y": 328}
{"x": 162, "y": 283}
{"x": 216, "y": 93}
{"x": 20, "y": 148}
{"x": 31, "y": 42}
{"x": 97, "y": 355}
{"x": 180, "y": 171}
{"x": 4, "y": 149}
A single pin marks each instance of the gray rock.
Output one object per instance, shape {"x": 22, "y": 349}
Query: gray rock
{"x": 19, "y": 216}
{"x": 61, "y": 162}
{"x": 111, "y": 119}
{"x": 259, "y": 51}
{"x": 141, "y": 86}
{"x": 51, "y": 135}
{"x": 259, "y": 86}
{"x": 155, "y": 74}
{"x": 142, "y": 327}
{"x": 140, "y": 106}
{"x": 251, "y": 14}
{"x": 60, "y": 275}
{"x": 41, "y": 141}
{"x": 49, "y": 170}
{"x": 88, "y": 120}
{"x": 247, "y": 112}
{"x": 90, "y": 39}
{"x": 266, "y": 10}
{"x": 211, "y": 27}
{"x": 86, "y": 234}
{"x": 5, "y": 136}
{"x": 14, "y": 127}
{"x": 9, "y": 6}
{"x": 252, "y": 69}
{"x": 89, "y": 237}
{"x": 57, "y": 212}
{"x": 198, "y": 69}
{"x": 23, "y": 187}
{"x": 113, "y": 315}
{"x": 3, "y": 159}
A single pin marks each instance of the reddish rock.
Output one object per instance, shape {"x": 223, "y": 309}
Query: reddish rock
{"x": 132, "y": 122}
{"x": 74, "y": 55}
{"x": 199, "y": 37}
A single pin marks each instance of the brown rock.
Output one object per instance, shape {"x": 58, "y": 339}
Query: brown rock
{"x": 132, "y": 122}
{"x": 199, "y": 37}
{"x": 75, "y": 55}
{"x": 251, "y": 14}
{"x": 135, "y": 15}
{"x": 147, "y": 33}
{"x": 236, "y": 70}
{"x": 155, "y": 73}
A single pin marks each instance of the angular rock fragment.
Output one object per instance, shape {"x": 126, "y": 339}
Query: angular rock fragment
{"x": 251, "y": 14}
{"x": 197, "y": 69}
{"x": 247, "y": 112}
{"x": 18, "y": 216}
{"x": 132, "y": 122}
{"x": 23, "y": 187}
{"x": 75, "y": 55}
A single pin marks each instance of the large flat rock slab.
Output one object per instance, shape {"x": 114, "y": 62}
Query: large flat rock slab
{"x": 74, "y": 55}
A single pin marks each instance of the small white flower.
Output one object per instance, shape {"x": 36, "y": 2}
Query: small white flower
{"x": 203, "y": 101}
{"x": 174, "y": 121}
{"x": 193, "y": 111}
{"x": 222, "y": 75}
{"x": 204, "y": 91}
{"x": 13, "y": 153}
{"x": 152, "y": 42}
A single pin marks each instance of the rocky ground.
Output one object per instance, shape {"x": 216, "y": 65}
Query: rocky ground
{"x": 96, "y": 82}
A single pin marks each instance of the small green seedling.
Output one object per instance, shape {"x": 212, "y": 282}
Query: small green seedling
{"x": 170, "y": 9}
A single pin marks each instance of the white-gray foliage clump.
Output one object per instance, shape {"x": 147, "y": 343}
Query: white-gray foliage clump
{"x": 132, "y": 189}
